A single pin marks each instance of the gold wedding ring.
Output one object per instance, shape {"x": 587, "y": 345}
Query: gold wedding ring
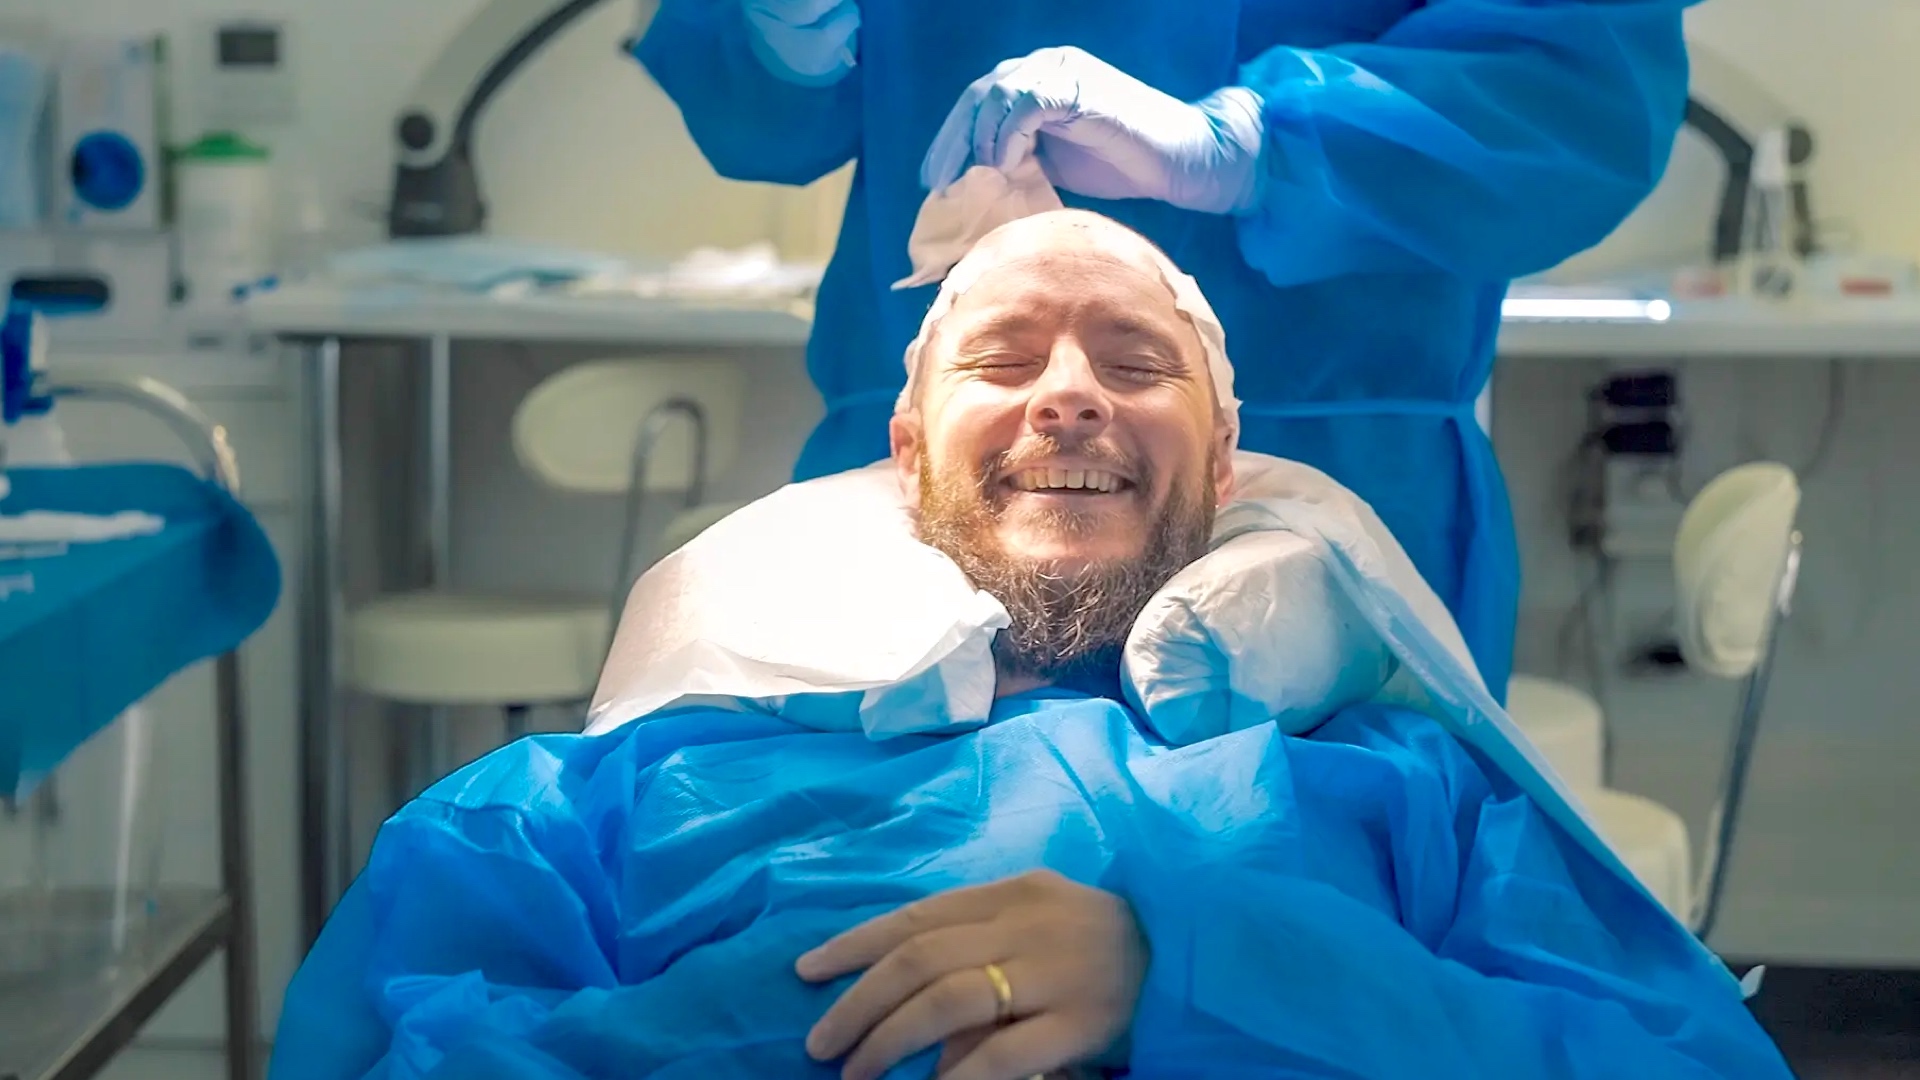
{"x": 1002, "y": 993}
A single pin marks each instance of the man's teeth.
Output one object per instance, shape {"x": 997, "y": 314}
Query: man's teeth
{"x": 1067, "y": 479}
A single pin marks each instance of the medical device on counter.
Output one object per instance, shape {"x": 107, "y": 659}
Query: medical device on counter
{"x": 25, "y": 401}
{"x": 24, "y": 92}
{"x": 223, "y": 193}
{"x": 436, "y": 190}
{"x": 23, "y": 365}
{"x": 108, "y": 139}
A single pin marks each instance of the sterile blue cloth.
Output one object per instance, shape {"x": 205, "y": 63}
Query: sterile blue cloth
{"x": 806, "y": 42}
{"x": 1418, "y": 155}
{"x": 87, "y": 632}
{"x": 1371, "y": 900}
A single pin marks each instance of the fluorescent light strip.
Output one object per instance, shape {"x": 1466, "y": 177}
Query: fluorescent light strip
{"x": 1587, "y": 310}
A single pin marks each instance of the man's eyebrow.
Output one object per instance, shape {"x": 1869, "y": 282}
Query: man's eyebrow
{"x": 1005, "y": 324}
{"x": 1121, "y": 325}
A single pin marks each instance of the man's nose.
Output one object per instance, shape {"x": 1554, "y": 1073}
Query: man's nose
{"x": 1068, "y": 401}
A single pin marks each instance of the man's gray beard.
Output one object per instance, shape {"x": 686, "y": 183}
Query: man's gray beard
{"x": 1069, "y": 626}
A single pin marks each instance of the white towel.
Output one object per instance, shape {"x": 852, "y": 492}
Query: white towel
{"x": 53, "y": 527}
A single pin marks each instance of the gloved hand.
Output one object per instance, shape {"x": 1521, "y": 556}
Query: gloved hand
{"x": 1101, "y": 132}
{"x": 806, "y": 42}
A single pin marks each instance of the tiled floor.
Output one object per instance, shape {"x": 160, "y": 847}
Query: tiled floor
{"x": 1844, "y": 1025}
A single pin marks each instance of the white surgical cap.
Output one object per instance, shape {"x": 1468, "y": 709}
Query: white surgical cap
{"x": 981, "y": 258}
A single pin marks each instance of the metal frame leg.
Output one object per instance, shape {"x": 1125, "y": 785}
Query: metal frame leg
{"x": 439, "y": 524}
{"x": 326, "y": 840}
{"x": 236, "y": 873}
{"x": 515, "y": 719}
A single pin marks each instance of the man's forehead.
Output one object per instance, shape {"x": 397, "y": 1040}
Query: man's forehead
{"x": 1066, "y": 234}
{"x": 1053, "y": 282}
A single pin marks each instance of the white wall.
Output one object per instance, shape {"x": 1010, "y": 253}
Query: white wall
{"x": 1845, "y": 66}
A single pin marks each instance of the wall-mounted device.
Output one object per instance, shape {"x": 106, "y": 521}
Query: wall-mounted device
{"x": 1625, "y": 500}
{"x": 108, "y": 138}
{"x": 1734, "y": 113}
{"x": 246, "y": 71}
{"x": 436, "y": 191}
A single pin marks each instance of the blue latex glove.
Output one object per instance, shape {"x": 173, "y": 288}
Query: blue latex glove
{"x": 806, "y": 42}
{"x": 1103, "y": 133}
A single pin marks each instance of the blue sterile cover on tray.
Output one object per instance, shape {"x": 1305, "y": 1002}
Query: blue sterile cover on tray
{"x": 90, "y": 628}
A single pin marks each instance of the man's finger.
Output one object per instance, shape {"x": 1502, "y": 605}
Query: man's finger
{"x": 917, "y": 964}
{"x": 958, "y": 1002}
{"x": 1032, "y": 1047}
{"x": 955, "y": 1048}
{"x": 864, "y": 945}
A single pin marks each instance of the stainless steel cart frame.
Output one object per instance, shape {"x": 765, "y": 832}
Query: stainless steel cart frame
{"x": 73, "y": 1033}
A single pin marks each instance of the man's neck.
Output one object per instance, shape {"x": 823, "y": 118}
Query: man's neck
{"x": 1103, "y": 682}
{"x": 1008, "y": 683}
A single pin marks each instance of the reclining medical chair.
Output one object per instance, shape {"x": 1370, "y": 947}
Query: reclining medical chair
{"x": 576, "y": 432}
{"x": 1736, "y": 560}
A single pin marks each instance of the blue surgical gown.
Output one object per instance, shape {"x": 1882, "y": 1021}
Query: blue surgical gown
{"x": 1421, "y": 153}
{"x": 1367, "y": 901}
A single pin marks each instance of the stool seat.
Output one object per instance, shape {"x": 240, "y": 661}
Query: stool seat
{"x": 1565, "y": 724}
{"x": 1651, "y": 840}
{"x": 451, "y": 648}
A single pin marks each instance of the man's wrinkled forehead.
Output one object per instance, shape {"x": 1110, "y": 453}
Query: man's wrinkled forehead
{"x": 1049, "y": 286}
{"x": 1046, "y": 269}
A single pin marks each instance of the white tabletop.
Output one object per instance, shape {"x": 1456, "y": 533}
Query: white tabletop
{"x": 1807, "y": 329}
{"x": 318, "y": 310}
{"x": 1886, "y": 329}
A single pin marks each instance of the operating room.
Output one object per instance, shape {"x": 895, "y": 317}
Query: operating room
{"x": 445, "y": 321}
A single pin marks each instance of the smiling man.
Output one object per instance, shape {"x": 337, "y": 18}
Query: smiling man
{"x": 720, "y": 891}
{"x": 1063, "y": 440}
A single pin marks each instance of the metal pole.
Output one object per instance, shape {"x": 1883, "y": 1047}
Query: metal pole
{"x": 439, "y": 522}
{"x": 326, "y": 840}
{"x": 1725, "y": 823}
{"x": 236, "y": 872}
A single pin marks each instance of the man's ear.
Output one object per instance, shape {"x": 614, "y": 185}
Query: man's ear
{"x": 907, "y": 436}
{"x": 1223, "y": 484}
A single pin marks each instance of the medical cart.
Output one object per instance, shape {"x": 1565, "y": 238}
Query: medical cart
{"x": 205, "y": 579}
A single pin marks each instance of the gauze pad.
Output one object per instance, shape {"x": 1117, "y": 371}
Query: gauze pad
{"x": 983, "y": 199}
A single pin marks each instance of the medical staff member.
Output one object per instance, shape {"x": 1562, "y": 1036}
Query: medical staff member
{"x": 1352, "y": 182}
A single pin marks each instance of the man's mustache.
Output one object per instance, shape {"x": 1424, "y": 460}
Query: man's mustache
{"x": 1038, "y": 448}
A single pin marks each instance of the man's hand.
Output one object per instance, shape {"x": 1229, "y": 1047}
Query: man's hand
{"x": 1072, "y": 958}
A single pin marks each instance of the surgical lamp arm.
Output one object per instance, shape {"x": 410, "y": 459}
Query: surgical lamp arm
{"x": 436, "y": 189}
{"x": 1730, "y": 109}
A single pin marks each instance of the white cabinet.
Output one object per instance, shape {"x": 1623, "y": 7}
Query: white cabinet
{"x": 250, "y": 395}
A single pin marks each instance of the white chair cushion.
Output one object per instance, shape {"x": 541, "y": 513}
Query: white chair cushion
{"x": 444, "y": 648}
{"x": 1652, "y": 841}
{"x": 1565, "y": 724}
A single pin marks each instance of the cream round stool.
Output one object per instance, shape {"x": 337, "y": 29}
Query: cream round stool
{"x": 1567, "y": 726}
{"x": 1565, "y": 723}
{"x": 1651, "y": 840}
{"x": 594, "y": 428}
{"x": 1736, "y": 563}
{"x": 446, "y": 648}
